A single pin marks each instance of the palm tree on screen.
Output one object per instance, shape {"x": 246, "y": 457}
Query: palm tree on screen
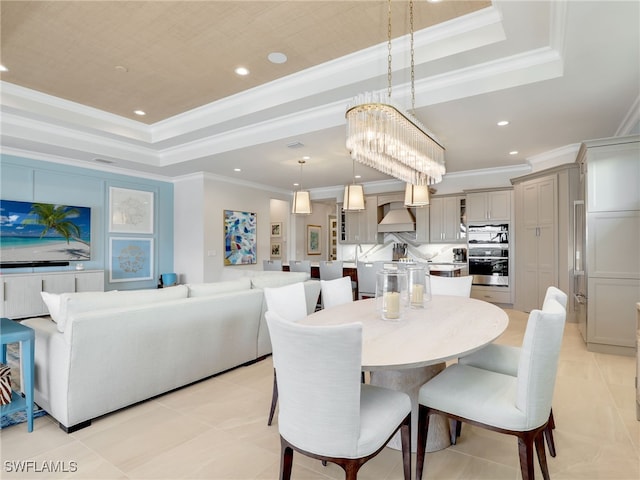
{"x": 56, "y": 218}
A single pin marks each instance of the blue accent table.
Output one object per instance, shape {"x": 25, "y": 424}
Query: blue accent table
{"x": 11, "y": 332}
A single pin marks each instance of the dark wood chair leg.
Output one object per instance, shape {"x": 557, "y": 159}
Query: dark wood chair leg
{"x": 525, "y": 448}
{"x": 542, "y": 459}
{"x": 423, "y": 430}
{"x": 405, "y": 434}
{"x": 274, "y": 398}
{"x": 286, "y": 461}
{"x": 548, "y": 436}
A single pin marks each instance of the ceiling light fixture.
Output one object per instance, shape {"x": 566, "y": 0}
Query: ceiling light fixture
{"x": 301, "y": 198}
{"x": 503, "y": 123}
{"x": 416, "y": 195}
{"x": 140, "y": 113}
{"x": 382, "y": 136}
{"x": 277, "y": 57}
{"x": 513, "y": 152}
{"x": 353, "y": 195}
{"x": 242, "y": 71}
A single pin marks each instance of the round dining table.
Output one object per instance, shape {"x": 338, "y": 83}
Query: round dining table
{"x": 406, "y": 353}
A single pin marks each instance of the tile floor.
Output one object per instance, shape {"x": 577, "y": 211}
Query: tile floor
{"x": 217, "y": 430}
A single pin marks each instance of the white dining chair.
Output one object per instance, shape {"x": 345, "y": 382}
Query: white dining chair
{"x": 326, "y": 413}
{"x": 300, "y": 266}
{"x": 336, "y": 292}
{"x": 505, "y": 358}
{"x": 457, "y": 286}
{"x": 272, "y": 265}
{"x": 515, "y": 405}
{"x": 367, "y": 277}
{"x": 290, "y": 303}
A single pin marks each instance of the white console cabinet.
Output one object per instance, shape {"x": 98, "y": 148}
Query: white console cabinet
{"x": 21, "y": 291}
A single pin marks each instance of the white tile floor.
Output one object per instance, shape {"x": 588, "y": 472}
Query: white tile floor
{"x": 217, "y": 430}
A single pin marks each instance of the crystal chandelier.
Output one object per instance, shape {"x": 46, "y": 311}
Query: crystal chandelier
{"x": 380, "y": 135}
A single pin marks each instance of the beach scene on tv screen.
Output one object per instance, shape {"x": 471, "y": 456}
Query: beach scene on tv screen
{"x": 44, "y": 232}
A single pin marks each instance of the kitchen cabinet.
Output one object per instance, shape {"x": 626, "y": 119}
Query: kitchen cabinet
{"x": 489, "y": 206}
{"x": 446, "y": 219}
{"x": 360, "y": 227}
{"x": 21, "y": 292}
{"x": 491, "y": 294}
{"x": 611, "y": 169}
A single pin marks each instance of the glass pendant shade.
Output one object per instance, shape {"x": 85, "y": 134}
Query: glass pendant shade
{"x": 301, "y": 203}
{"x": 416, "y": 195}
{"x": 353, "y": 198}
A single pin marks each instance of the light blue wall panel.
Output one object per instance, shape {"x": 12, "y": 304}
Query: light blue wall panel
{"x": 34, "y": 180}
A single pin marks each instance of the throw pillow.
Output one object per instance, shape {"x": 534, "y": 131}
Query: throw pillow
{"x": 52, "y": 301}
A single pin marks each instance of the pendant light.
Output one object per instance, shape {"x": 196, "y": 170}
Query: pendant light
{"x": 353, "y": 195}
{"x": 301, "y": 198}
{"x": 416, "y": 195}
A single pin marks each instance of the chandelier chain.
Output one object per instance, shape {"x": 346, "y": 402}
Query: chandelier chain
{"x": 389, "y": 51}
{"x": 413, "y": 87}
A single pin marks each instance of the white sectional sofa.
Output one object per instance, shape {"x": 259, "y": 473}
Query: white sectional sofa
{"x": 108, "y": 350}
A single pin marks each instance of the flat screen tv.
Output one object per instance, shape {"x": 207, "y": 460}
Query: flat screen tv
{"x": 43, "y": 234}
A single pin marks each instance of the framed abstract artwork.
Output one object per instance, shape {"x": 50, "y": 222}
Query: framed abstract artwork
{"x": 313, "y": 239}
{"x": 130, "y": 211}
{"x": 131, "y": 259}
{"x": 276, "y": 229}
{"x": 276, "y": 250}
{"x": 240, "y": 238}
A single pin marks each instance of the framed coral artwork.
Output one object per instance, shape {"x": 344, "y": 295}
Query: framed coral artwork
{"x": 131, "y": 259}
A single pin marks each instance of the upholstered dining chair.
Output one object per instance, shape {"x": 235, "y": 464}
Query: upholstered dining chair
{"x": 272, "y": 265}
{"x": 290, "y": 303}
{"x": 331, "y": 269}
{"x": 503, "y": 403}
{"x": 325, "y": 412}
{"x": 300, "y": 266}
{"x": 505, "y": 358}
{"x": 336, "y": 292}
{"x": 367, "y": 277}
{"x": 457, "y": 286}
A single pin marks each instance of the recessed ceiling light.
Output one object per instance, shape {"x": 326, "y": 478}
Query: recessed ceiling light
{"x": 306, "y": 157}
{"x": 296, "y": 184}
{"x": 358, "y": 176}
{"x": 140, "y": 113}
{"x": 502, "y": 123}
{"x": 513, "y": 152}
{"x": 3, "y": 68}
{"x": 121, "y": 68}
{"x": 277, "y": 57}
{"x": 237, "y": 169}
{"x": 242, "y": 71}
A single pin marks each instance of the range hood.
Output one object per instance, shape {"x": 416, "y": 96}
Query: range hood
{"x": 397, "y": 219}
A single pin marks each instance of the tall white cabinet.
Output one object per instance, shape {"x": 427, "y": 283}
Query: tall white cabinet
{"x": 543, "y": 241}
{"x": 20, "y": 293}
{"x": 612, "y": 199}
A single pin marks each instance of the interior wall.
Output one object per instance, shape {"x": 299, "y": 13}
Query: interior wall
{"x": 35, "y": 180}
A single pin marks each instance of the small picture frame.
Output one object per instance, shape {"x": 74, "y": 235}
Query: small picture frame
{"x": 314, "y": 236}
{"x": 130, "y": 211}
{"x": 276, "y": 229}
{"x": 276, "y": 250}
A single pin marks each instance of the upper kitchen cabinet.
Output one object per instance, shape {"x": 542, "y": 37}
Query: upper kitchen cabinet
{"x": 446, "y": 222}
{"x": 360, "y": 227}
{"x": 489, "y": 206}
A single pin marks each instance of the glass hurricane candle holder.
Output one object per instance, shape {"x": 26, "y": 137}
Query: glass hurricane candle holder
{"x": 419, "y": 286}
{"x": 392, "y": 294}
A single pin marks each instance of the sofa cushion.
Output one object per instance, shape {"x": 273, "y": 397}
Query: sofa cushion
{"x": 278, "y": 279}
{"x": 68, "y": 304}
{"x": 214, "y": 288}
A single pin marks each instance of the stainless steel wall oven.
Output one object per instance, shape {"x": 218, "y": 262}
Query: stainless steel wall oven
{"x": 488, "y": 254}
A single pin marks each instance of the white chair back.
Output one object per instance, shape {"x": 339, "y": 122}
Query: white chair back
{"x": 367, "y": 277}
{"x": 538, "y": 362}
{"x": 289, "y": 302}
{"x": 300, "y": 266}
{"x": 272, "y": 265}
{"x": 318, "y": 384}
{"x": 336, "y": 292}
{"x": 556, "y": 294}
{"x": 456, "y": 286}
{"x": 331, "y": 269}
